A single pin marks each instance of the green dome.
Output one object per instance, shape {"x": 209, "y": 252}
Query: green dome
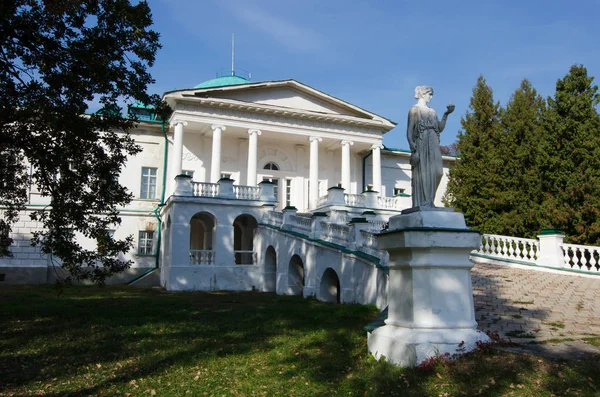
{"x": 223, "y": 81}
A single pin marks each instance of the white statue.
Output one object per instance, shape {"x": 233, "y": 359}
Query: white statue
{"x": 423, "y": 134}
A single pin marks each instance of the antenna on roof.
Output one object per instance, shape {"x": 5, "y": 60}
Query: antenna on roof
{"x": 232, "y": 54}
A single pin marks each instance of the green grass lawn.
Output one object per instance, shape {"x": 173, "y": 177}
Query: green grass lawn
{"x": 128, "y": 341}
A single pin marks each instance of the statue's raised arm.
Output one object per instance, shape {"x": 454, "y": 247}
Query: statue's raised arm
{"x": 423, "y": 134}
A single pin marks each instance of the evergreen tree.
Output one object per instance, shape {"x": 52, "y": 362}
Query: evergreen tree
{"x": 474, "y": 186}
{"x": 570, "y": 165}
{"x": 520, "y": 150}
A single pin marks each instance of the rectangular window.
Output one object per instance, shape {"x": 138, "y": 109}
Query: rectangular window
{"x": 148, "y": 189}
{"x": 398, "y": 191}
{"x": 288, "y": 192}
{"x": 146, "y": 242}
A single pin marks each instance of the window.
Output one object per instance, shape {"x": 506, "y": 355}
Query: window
{"x": 271, "y": 166}
{"x": 146, "y": 242}
{"x": 398, "y": 191}
{"x": 148, "y": 189}
{"x": 288, "y": 192}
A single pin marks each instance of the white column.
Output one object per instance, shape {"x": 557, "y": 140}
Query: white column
{"x": 177, "y": 148}
{"x": 313, "y": 193}
{"x": 252, "y": 156}
{"x": 377, "y": 168}
{"x": 215, "y": 164}
{"x": 346, "y": 165}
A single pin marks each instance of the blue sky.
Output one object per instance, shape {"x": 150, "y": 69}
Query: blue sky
{"x": 373, "y": 53}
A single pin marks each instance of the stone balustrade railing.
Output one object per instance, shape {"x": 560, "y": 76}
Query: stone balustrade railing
{"x": 377, "y": 226}
{"x": 368, "y": 199}
{"x": 205, "y": 189}
{"x": 273, "y": 218}
{"x": 335, "y": 233}
{"x": 510, "y": 247}
{"x": 301, "y": 222}
{"x": 223, "y": 189}
{"x": 354, "y": 200}
{"x": 548, "y": 250}
{"x": 246, "y": 192}
{"x": 581, "y": 257}
{"x": 202, "y": 257}
{"x": 388, "y": 203}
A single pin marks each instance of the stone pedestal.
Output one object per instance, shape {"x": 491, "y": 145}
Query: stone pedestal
{"x": 430, "y": 296}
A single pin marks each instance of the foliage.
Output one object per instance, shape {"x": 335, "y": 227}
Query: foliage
{"x": 56, "y": 57}
{"x": 570, "y": 165}
{"x": 149, "y": 342}
{"x": 474, "y": 185}
{"x": 451, "y": 149}
{"x": 530, "y": 166}
{"x": 520, "y": 149}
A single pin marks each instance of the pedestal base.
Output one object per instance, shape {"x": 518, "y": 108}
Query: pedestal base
{"x": 409, "y": 347}
{"x": 430, "y": 295}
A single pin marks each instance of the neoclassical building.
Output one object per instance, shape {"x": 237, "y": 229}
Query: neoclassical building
{"x": 273, "y": 186}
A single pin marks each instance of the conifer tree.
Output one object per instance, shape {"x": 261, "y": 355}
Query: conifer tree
{"x": 520, "y": 149}
{"x": 474, "y": 185}
{"x": 570, "y": 165}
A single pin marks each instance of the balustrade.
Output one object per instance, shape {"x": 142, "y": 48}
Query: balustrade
{"x": 301, "y": 222}
{"x": 246, "y": 192}
{"x": 335, "y": 232}
{"x": 273, "y": 218}
{"x": 354, "y": 200}
{"x": 202, "y": 257}
{"x": 377, "y": 226}
{"x": 387, "y": 203}
{"x": 581, "y": 257}
{"x": 322, "y": 201}
{"x": 205, "y": 189}
{"x": 522, "y": 249}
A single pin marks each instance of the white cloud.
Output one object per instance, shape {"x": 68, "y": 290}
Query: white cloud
{"x": 290, "y": 35}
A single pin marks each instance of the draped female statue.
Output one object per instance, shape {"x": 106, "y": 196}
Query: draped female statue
{"x": 423, "y": 134}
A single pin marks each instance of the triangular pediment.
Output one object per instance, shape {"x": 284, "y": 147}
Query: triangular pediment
{"x": 288, "y": 97}
{"x": 285, "y": 94}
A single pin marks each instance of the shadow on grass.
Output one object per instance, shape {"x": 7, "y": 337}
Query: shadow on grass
{"x": 93, "y": 341}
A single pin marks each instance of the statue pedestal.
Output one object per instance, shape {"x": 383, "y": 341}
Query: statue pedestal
{"x": 430, "y": 296}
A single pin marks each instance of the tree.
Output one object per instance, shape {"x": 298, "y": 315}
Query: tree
{"x": 570, "y": 166}
{"x": 57, "y": 56}
{"x": 451, "y": 150}
{"x": 520, "y": 144}
{"x": 474, "y": 186}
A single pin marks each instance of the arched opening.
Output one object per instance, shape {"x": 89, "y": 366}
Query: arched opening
{"x": 296, "y": 275}
{"x": 271, "y": 166}
{"x": 244, "y": 227}
{"x": 270, "y": 269}
{"x": 329, "y": 291}
{"x": 202, "y": 232}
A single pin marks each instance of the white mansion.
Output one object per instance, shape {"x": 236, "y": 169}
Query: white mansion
{"x": 273, "y": 186}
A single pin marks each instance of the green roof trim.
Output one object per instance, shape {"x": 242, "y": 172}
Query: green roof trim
{"x": 140, "y": 105}
{"x": 223, "y": 81}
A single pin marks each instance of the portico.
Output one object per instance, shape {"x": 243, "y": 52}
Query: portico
{"x": 238, "y": 132}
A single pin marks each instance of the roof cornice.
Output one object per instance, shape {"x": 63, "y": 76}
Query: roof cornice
{"x": 383, "y": 124}
{"x": 282, "y": 83}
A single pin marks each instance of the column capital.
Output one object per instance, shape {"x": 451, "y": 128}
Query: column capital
{"x": 218, "y": 126}
{"x": 344, "y": 143}
{"x": 175, "y": 122}
{"x": 252, "y": 131}
{"x": 315, "y": 138}
{"x": 377, "y": 146}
